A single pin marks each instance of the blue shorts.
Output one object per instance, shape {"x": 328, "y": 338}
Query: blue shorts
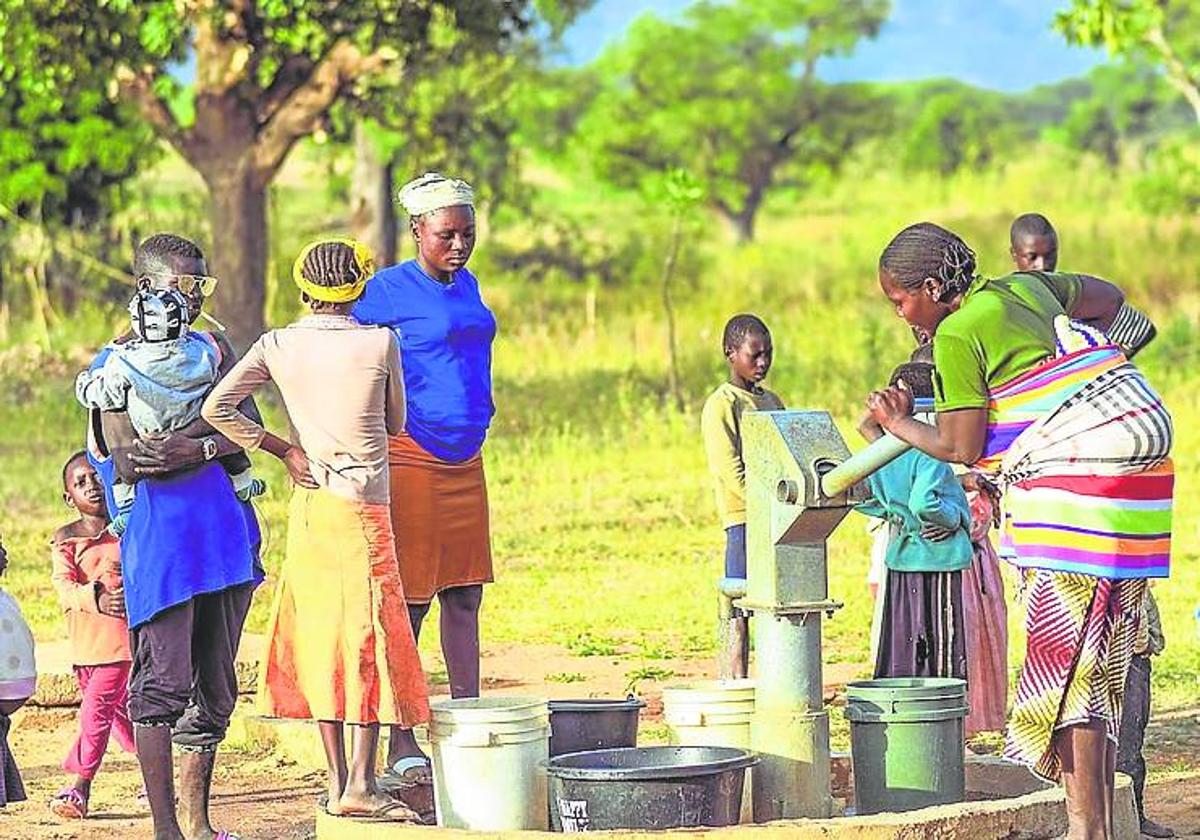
{"x": 735, "y": 552}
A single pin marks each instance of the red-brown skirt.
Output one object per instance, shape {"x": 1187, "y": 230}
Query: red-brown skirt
{"x": 440, "y": 519}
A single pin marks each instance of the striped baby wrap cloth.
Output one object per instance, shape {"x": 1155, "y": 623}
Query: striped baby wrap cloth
{"x": 1080, "y": 446}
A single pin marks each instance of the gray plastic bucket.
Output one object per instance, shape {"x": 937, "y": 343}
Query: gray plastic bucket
{"x": 906, "y": 742}
{"x": 593, "y": 724}
{"x": 648, "y": 788}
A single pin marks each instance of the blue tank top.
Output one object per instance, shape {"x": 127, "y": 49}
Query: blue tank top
{"x": 188, "y": 535}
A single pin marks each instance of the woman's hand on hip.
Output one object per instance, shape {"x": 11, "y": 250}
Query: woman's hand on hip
{"x": 936, "y": 533}
{"x": 298, "y": 467}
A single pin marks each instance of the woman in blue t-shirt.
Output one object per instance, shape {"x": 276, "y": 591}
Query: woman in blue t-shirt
{"x": 438, "y": 491}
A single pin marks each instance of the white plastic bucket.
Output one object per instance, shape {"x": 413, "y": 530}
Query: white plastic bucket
{"x": 715, "y": 713}
{"x": 487, "y": 753}
{"x": 710, "y": 714}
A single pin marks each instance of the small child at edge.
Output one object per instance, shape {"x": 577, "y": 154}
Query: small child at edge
{"x": 85, "y": 558}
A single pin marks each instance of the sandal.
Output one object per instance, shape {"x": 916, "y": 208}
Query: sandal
{"x": 412, "y": 770}
{"x": 417, "y": 797}
{"x": 227, "y": 835}
{"x": 69, "y": 804}
{"x": 391, "y": 812}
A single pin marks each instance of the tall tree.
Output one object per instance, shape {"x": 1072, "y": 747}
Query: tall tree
{"x": 453, "y": 114}
{"x": 958, "y": 128}
{"x": 1126, "y": 104}
{"x": 459, "y": 110}
{"x": 1166, "y": 32}
{"x": 730, "y": 93}
{"x": 65, "y": 155}
{"x": 267, "y": 73}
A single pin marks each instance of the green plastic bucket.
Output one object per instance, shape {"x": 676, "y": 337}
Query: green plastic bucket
{"x": 906, "y": 742}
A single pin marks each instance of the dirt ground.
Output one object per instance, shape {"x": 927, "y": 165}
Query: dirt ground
{"x": 263, "y": 797}
{"x": 253, "y": 794}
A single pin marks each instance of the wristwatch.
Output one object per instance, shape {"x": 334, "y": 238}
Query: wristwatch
{"x": 209, "y": 447}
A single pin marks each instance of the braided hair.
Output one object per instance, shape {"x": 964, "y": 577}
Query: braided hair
{"x": 331, "y": 264}
{"x": 741, "y": 327}
{"x": 926, "y": 250}
{"x": 156, "y": 252}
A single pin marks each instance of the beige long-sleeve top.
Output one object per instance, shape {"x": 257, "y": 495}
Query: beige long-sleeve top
{"x": 344, "y": 390}
{"x": 721, "y": 429}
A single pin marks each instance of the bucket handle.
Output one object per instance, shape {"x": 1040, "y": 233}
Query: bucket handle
{"x": 928, "y": 705}
{"x": 474, "y": 737}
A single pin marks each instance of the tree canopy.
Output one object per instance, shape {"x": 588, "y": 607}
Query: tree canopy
{"x": 267, "y": 73}
{"x": 730, "y": 93}
{"x": 64, "y": 145}
{"x": 1166, "y": 32}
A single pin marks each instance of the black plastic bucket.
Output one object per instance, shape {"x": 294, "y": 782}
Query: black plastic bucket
{"x": 578, "y": 725}
{"x": 647, "y": 788}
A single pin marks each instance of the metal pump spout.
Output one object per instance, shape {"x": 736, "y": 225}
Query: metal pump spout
{"x": 801, "y": 481}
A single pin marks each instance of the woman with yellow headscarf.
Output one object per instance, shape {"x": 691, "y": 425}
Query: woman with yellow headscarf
{"x": 340, "y": 647}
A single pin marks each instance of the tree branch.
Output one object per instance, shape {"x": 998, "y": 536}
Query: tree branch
{"x": 1178, "y": 74}
{"x": 222, "y": 58}
{"x": 723, "y": 207}
{"x": 299, "y": 114}
{"x": 138, "y": 89}
{"x": 294, "y": 72}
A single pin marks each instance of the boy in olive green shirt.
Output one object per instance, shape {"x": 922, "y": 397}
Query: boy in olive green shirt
{"x": 747, "y": 346}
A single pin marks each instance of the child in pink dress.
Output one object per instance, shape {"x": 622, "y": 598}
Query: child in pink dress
{"x": 986, "y": 617}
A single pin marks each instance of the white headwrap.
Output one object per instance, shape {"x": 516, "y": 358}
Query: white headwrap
{"x": 432, "y": 192}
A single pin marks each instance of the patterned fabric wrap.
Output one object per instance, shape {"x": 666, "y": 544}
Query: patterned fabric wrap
{"x": 1080, "y": 446}
{"x": 1080, "y": 633}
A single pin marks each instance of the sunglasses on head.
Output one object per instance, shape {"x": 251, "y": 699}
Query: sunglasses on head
{"x": 186, "y": 283}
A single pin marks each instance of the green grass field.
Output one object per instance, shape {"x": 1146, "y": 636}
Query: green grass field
{"x": 603, "y": 524}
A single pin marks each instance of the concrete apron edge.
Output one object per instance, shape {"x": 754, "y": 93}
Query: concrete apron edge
{"x": 1041, "y": 814}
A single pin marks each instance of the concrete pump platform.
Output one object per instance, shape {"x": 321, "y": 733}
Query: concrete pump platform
{"x": 1005, "y": 801}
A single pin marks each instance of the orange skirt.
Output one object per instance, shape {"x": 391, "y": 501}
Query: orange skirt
{"x": 440, "y": 518}
{"x": 340, "y": 646}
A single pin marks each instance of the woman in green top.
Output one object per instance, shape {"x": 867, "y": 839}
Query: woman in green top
{"x": 1028, "y": 389}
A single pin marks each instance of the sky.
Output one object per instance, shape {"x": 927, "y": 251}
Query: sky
{"x": 1000, "y": 44}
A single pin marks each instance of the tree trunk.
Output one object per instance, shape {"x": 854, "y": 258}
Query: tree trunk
{"x": 1179, "y": 75}
{"x": 742, "y": 220}
{"x": 743, "y": 226}
{"x": 238, "y": 215}
{"x": 668, "y": 275}
{"x": 372, "y": 216}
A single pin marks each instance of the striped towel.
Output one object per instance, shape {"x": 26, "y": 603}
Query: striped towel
{"x": 1080, "y": 445}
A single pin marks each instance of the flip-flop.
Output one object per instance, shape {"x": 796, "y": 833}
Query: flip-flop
{"x": 417, "y": 797}
{"x": 227, "y": 835}
{"x": 391, "y": 812}
{"x": 69, "y": 804}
